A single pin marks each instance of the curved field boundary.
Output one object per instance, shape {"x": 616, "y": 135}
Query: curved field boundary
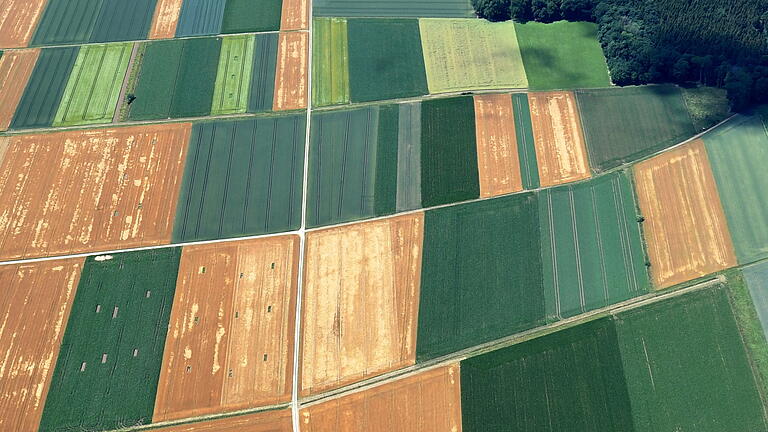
{"x": 18, "y": 19}
{"x": 15, "y": 70}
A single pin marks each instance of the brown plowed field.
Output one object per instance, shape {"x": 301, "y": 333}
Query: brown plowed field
{"x": 269, "y": 421}
{"x": 15, "y": 70}
{"x": 88, "y": 191}
{"x": 427, "y": 402}
{"x": 559, "y": 140}
{"x": 230, "y": 340}
{"x": 18, "y": 19}
{"x": 35, "y": 304}
{"x": 685, "y": 227}
{"x": 361, "y": 300}
{"x": 497, "y": 157}
{"x": 295, "y": 15}
{"x": 291, "y": 74}
{"x": 165, "y": 19}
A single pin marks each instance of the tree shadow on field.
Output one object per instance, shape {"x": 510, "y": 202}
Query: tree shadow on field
{"x": 548, "y": 59}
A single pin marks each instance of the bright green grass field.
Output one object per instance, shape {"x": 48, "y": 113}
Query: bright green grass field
{"x": 471, "y": 54}
{"x": 233, "y": 79}
{"x": 562, "y": 55}
{"x": 94, "y": 85}
{"x": 330, "y": 62}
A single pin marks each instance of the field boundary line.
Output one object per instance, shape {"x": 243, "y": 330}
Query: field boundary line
{"x": 126, "y": 82}
{"x": 200, "y": 419}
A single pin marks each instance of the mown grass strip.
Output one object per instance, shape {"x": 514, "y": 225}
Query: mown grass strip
{"x": 233, "y": 78}
{"x": 330, "y": 62}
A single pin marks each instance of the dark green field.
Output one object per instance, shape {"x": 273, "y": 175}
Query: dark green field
{"x": 394, "y": 8}
{"x": 448, "y": 151}
{"x": 263, "y": 73}
{"x": 526, "y": 150}
{"x": 121, "y": 20}
{"x": 108, "y": 367}
{"x": 409, "y": 156}
{"x": 481, "y": 274}
{"x": 385, "y": 59}
{"x": 243, "y": 16}
{"x": 242, "y": 178}
{"x": 200, "y": 17}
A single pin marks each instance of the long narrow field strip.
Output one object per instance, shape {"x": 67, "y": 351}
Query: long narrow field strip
{"x": 591, "y": 246}
{"x": 394, "y": 8}
{"x": 526, "y": 148}
{"x": 200, "y": 17}
{"x": 34, "y": 308}
{"x": 359, "y": 308}
{"x": 108, "y": 367}
{"x": 18, "y": 19}
{"x": 269, "y": 421}
{"x": 15, "y": 70}
{"x": 471, "y": 54}
{"x": 165, "y": 19}
{"x": 67, "y": 22}
{"x": 756, "y": 277}
{"x": 263, "y": 73}
{"x": 45, "y": 88}
{"x": 623, "y": 125}
{"x": 233, "y": 79}
{"x": 330, "y": 62}
{"x": 94, "y": 85}
{"x": 497, "y": 157}
{"x": 559, "y": 140}
{"x": 295, "y": 15}
{"x": 481, "y": 277}
{"x": 231, "y": 332}
{"x": 246, "y": 16}
{"x": 73, "y": 192}
{"x": 685, "y": 228}
{"x": 738, "y": 152}
{"x": 242, "y": 178}
{"x": 291, "y": 86}
{"x": 121, "y": 20}
{"x": 428, "y": 402}
{"x": 408, "y": 195}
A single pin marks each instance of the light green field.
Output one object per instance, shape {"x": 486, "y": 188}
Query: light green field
{"x": 94, "y": 86}
{"x": 471, "y": 54}
{"x": 233, "y": 79}
{"x": 330, "y": 62}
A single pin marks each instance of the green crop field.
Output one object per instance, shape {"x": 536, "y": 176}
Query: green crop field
{"x": 738, "y": 154}
{"x": 562, "y": 55}
{"x": 592, "y": 251}
{"x": 623, "y": 125}
{"x": 471, "y": 54}
{"x": 108, "y": 367}
{"x": 242, "y": 178}
{"x": 448, "y": 151}
{"x": 121, "y": 20}
{"x": 200, "y": 17}
{"x": 385, "y": 59}
{"x": 94, "y": 85}
{"x": 246, "y": 16}
{"x": 263, "y": 74}
{"x": 233, "y": 78}
{"x": 330, "y": 62}
{"x": 481, "y": 274}
{"x": 571, "y": 380}
{"x": 529, "y": 168}
{"x": 408, "y": 195}
{"x": 749, "y": 299}
{"x": 394, "y": 8}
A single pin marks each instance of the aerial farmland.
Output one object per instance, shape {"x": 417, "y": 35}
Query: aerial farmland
{"x": 360, "y": 215}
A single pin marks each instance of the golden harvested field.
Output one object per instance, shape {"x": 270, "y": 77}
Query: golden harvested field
{"x": 269, "y": 421}
{"x": 360, "y": 301}
{"x": 295, "y": 15}
{"x": 18, "y": 19}
{"x": 291, "y": 74}
{"x": 166, "y": 19}
{"x": 230, "y": 340}
{"x": 497, "y": 158}
{"x": 15, "y": 69}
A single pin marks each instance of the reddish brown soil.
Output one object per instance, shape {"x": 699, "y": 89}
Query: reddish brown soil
{"x": 291, "y": 74}
{"x": 165, "y": 19}
{"x": 230, "y": 340}
{"x": 15, "y": 70}
{"x": 685, "y": 227}
{"x": 18, "y": 19}
{"x": 295, "y": 15}
{"x": 497, "y": 158}
{"x": 270, "y": 421}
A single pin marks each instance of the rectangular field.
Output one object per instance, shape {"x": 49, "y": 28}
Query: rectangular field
{"x": 200, "y": 17}
{"x": 428, "y": 402}
{"x": 756, "y": 277}
{"x": 685, "y": 228}
{"x": 233, "y": 79}
{"x": 94, "y": 85}
{"x": 481, "y": 277}
{"x": 385, "y": 59}
{"x": 559, "y": 140}
{"x": 86, "y": 191}
{"x": 34, "y": 309}
{"x": 295, "y": 15}
{"x": 360, "y": 308}
{"x": 107, "y": 372}
{"x": 230, "y": 343}
{"x": 242, "y": 178}
{"x": 67, "y": 22}
{"x": 291, "y": 90}
{"x": 625, "y": 124}
{"x": 268, "y": 421}
{"x": 529, "y": 167}
{"x": 408, "y": 195}
{"x": 121, "y": 20}
{"x": 18, "y": 19}
{"x": 247, "y": 16}
{"x": 471, "y": 54}
{"x": 166, "y": 19}
{"x": 15, "y": 70}
{"x": 591, "y": 246}
{"x": 497, "y": 156}
{"x": 394, "y": 8}
{"x": 738, "y": 152}
{"x": 330, "y": 64}
{"x": 263, "y": 73}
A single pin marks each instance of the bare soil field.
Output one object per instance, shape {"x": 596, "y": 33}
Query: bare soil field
{"x": 685, "y": 226}
{"x": 230, "y": 342}
{"x": 15, "y": 69}
{"x": 166, "y": 19}
{"x": 34, "y": 308}
{"x": 497, "y": 157}
{"x": 360, "y": 301}
{"x": 295, "y": 15}
{"x": 18, "y": 19}
{"x": 427, "y": 402}
{"x": 269, "y": 421}
{"x": 291, "y": 75}
{"x": 86, "y": 191}
{"x": 559, "y": 140}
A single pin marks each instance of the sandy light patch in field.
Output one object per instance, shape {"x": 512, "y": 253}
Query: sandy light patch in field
{"x": 18, "y": 19}
{"x": 291, "y": 75}
{"x": 295, "y": 15}
{"x": 497, "y": 158}
{"x": 15, "y": 69}
{"x": 165, "y": 19}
